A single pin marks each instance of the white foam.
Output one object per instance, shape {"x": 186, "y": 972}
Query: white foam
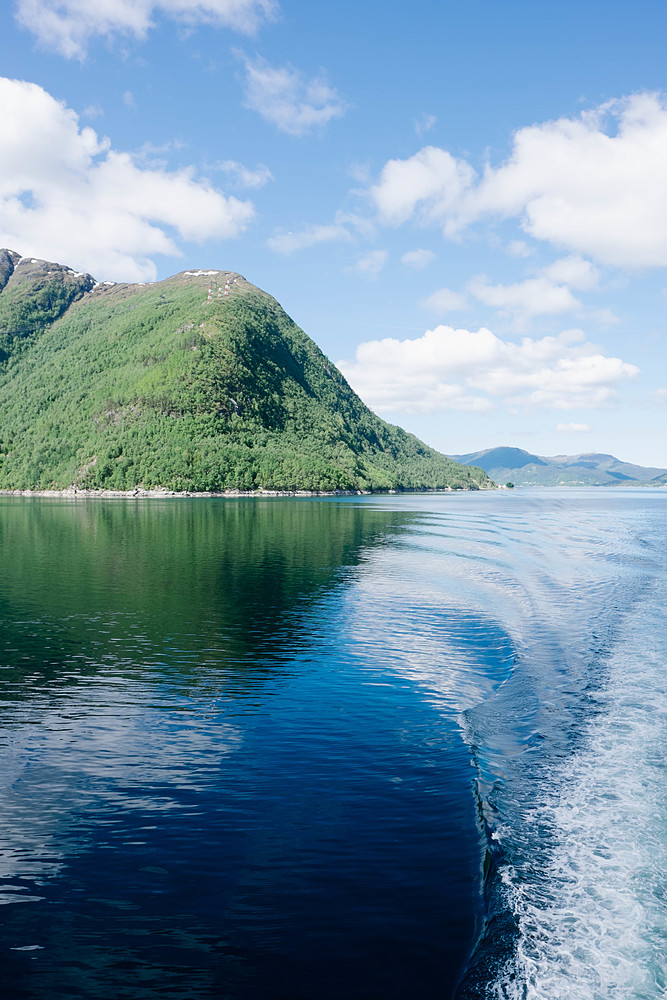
{"x": 591, "y": 913}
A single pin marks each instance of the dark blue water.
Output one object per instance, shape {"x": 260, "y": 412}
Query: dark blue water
{"x": 359, "y": 747}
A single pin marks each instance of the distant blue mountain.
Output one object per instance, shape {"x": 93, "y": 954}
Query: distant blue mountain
{"x": 590, "y": 469}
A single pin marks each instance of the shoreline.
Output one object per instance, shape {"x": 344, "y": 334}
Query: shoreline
{"x": 161, "y": 493}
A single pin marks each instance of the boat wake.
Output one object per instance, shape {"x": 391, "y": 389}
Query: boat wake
{"x": 576, "y": 874}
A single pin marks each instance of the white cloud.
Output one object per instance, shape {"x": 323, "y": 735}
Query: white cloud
{"x": 68, "y": 25}
{"x": 153, "y": 155}
{"x": 594, "y": 184}
{"x": 429, "y": 184}
{"x": 287, "y": 243}
{"x": 573, "y": 428}
{"x": 359, "y": 172}
{"x": 606, "y": 317}
{"x": 424, "y": 124}
{"x": 468, "y": 370}
{"x": 361, "y": 224}
{"x": 443, "y": 301}
{"x": 289, "y": 100}
{"x": 66, "y": 195}
{"x": 371, "y": 265}
{"x": 419, "y": 259}
{"x": 519, "y": 248}
{"x": 339, "y": 231}
{"x": 546, "y": 294}
{"x": 525, "y": 299}
{"x": 93, "y": 111}
{"x": 243, "y": 177}
{"x": 573, "y": 271}
{"x": 128, "y": 99}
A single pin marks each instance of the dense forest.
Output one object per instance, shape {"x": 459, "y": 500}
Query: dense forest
{"x": 117, "y": 386}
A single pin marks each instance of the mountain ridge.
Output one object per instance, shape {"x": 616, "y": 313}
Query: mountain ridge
{"x": 198, "y": 383}
{"x": 524, "y": 468}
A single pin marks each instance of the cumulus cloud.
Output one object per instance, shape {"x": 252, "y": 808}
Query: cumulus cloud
{"x": 475, "y": 370}
{"x": 548, "y": 293}
{"x": 443, "y": 301}
{"x": 419, "y": 259}
{"x": 573, "y": 428}
{"x": 573, "y": 271}
{"x": 594, "y": 184}
{"x": 429, "y": 184}
{"x": 525, "y": 299}
{"x": 371, "y": 265}
{"x": 288, "y": 99}
{"x": 66, "y": 195}
{"x": 242, "y": 176}
{"x": 68, "y": 25}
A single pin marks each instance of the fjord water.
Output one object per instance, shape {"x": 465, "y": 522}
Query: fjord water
{"x": 313, "y": 748}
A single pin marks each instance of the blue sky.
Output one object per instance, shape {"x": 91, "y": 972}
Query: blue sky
{"x": 464, "y": 205}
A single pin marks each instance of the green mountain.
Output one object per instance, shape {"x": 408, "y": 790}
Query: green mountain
{"x": 591, "y": 469}
{"x": 114, "y": 386}
{"x": 33, "y": 295}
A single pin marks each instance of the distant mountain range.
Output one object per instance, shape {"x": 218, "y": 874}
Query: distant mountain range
{"x": 591, "y": 469}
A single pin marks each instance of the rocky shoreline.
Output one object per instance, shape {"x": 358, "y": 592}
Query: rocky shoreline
{"x": 159, "y": 493}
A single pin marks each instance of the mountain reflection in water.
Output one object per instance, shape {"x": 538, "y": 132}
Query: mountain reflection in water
{"x": 215, "y": 781}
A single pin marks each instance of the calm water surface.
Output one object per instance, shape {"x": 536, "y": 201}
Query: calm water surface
{"x": 360, "y": 747}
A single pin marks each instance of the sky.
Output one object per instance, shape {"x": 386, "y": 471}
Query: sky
{"x": 465, "y": 206}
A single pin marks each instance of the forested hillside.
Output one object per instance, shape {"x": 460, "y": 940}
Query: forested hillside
{"x": 117, "y": 386}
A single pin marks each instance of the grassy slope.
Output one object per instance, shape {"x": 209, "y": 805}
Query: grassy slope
{"x": 152, "y": 385}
